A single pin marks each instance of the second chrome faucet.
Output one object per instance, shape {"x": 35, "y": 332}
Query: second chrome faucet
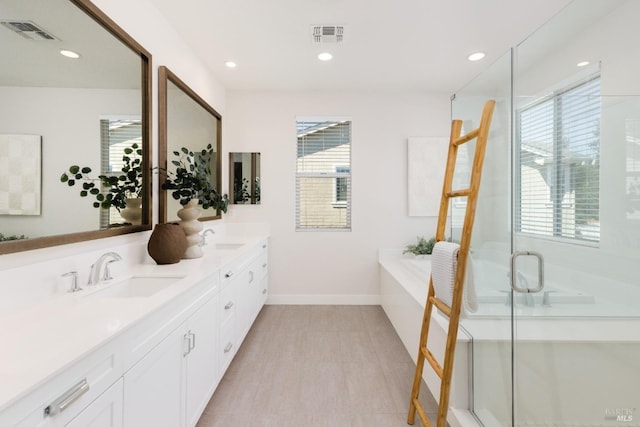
{"x": 100, "y": 269}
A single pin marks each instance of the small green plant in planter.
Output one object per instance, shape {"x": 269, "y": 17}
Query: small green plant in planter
{"x": 4, "y": 238}
{"x": 423, "y": 247}
{"x": 110, "y": 190}
{"x": 191, "y": 179}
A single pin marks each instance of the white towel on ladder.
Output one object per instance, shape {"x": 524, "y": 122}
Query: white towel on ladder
{"x": 444, "y": 261}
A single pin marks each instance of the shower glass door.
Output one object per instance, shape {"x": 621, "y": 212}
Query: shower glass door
{"x": 490, "y": 326}
{"x": 576, "y": 154}
{"x": 561, "y": 185}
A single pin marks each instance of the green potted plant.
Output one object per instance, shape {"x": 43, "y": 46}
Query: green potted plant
{"x": 111, "y": 190}
{"x": 423, "y": 247}
{"x": 191, "y": 179}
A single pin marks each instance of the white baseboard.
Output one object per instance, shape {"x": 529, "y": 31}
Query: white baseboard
{"x": 323, "y": 299}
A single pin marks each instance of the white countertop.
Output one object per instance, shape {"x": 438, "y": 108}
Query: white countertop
{"x": 42, "y": 340}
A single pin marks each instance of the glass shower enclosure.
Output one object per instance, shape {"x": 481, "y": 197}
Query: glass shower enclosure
{"x": 556, "y": 245}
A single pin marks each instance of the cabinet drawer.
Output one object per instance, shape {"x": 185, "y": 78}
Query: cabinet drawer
{"x": 227, "y": 344}
{"x": 64, "y": 397}
{"x": 262, "y": 266}
{"x": 227, "y": 304}
{"x": 106, "y": 410}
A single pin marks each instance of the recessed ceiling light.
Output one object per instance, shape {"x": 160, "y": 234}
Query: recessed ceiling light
{"x": 477, "y": 56}
{"x": 230, "y": 64}
{"x": 325, "y": 56}
{"x": 582, "y": 64}
{"x": 70, "y": 54}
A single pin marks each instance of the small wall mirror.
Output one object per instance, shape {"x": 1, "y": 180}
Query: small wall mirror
{"x": 57, "y": 112}
{"x": 185, "y": 120}
{"x": 244, "y": 178}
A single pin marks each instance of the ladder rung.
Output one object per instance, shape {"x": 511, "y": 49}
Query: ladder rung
{"x": 459, "y": 193}
{"x": 432, "y": 361}
{"x": 421, "y": 413}
{"x": 466, "y": 137}
{"x": 441, "y": 306}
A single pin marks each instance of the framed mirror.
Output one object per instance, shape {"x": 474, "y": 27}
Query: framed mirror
{"x": 185, "y": 121}
{"x": 244, "y": 178}
{"x": 58, "y": 112}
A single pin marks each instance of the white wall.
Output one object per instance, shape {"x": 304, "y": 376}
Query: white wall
{"x": 334, "y": 267}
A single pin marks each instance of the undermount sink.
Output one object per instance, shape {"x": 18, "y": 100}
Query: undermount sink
{"x": 135, "y": 287}
{"x": 228, "y": 246}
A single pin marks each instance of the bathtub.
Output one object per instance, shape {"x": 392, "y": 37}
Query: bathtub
{"x": 550, "y": 348}
{"x": 494, "y": 294}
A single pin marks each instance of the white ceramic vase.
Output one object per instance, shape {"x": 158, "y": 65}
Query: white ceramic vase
{"x": 132, "y": 213}
{"x": 189, "y": 215}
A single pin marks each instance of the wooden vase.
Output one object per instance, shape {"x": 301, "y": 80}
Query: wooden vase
{"x": 167, "y": 244}
{"x": 189, "y": 223}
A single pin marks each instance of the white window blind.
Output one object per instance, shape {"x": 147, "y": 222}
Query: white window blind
{"x": 115, "y": 136}
{"x": 323, "y": 175}
{"x": 559, "y": 164}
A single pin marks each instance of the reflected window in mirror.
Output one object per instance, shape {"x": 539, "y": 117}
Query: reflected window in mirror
{"x": 244, "y": 178}
{"x": 61, "y": 101}
{"x": 121, "y": 139}
{"x": 186, "y": 121}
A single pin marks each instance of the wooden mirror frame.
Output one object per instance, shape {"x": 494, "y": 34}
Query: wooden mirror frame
{"x": 145, "y": 59}
{"x": 164, "y": 76}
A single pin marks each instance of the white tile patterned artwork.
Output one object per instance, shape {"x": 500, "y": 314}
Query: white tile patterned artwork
{"x": 427, "y": 158}
{"x": 20, "y": 180}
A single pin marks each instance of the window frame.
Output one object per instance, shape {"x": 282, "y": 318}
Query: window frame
{"x": 559, "y": 232}
{"x": 333, "y": 174}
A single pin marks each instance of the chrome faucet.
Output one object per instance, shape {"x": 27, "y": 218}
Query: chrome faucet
{"x": 74, "y": 281}
{"x": 100, "y": 269}
{"x": 203, "y": 238}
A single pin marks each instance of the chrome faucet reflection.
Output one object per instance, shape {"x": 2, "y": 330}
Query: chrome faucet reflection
{"x": 100, "y": 269}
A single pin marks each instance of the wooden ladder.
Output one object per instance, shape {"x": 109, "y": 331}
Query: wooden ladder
{"x": 453, "y": 312}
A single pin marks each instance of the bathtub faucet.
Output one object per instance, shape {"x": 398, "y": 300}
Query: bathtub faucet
{"x": 528, "y": 298}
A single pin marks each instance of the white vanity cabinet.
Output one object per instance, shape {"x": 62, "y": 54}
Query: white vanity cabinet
{"x": 172, "y": 383}
{"x": 67, "y": 394}
{"x": 159, "y": 367}
{"x": 242, "y": 295}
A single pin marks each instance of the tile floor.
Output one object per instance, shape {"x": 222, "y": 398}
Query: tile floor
{"x": 317, "y": 366}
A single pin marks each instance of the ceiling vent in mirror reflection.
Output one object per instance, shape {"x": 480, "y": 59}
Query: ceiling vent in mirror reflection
{"x": 28, "y": 30}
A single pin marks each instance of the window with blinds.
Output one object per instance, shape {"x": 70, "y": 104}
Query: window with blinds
{"x": 323, "y": 175}
{"x": 115, "y": 136}
{"x": 559, "y": 164}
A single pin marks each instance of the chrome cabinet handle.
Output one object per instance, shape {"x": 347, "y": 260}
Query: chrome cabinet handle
{"x": 228, "y": 348}
{"x": 228, "y": 274}
{"x": 192, "y": 341}
{"x": 264, "y": 265}
{"x": 70, "y": 396}
{"x": 186, "y": 339}
{"x": 264, "y": 291}
{"x": 228, "y": 305}
{"x": 513, "y": 272}
{"x": 251, "y": 276}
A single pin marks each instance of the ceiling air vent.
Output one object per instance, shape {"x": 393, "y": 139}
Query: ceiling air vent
{"x": 327, "y": 33}
{"x": 28, "y": 30}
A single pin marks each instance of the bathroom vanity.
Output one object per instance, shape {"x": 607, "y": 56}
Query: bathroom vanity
{"x": 148, "y": 348}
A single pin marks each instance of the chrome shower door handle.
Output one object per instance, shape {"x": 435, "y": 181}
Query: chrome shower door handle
{"x": 513, "y": 273}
